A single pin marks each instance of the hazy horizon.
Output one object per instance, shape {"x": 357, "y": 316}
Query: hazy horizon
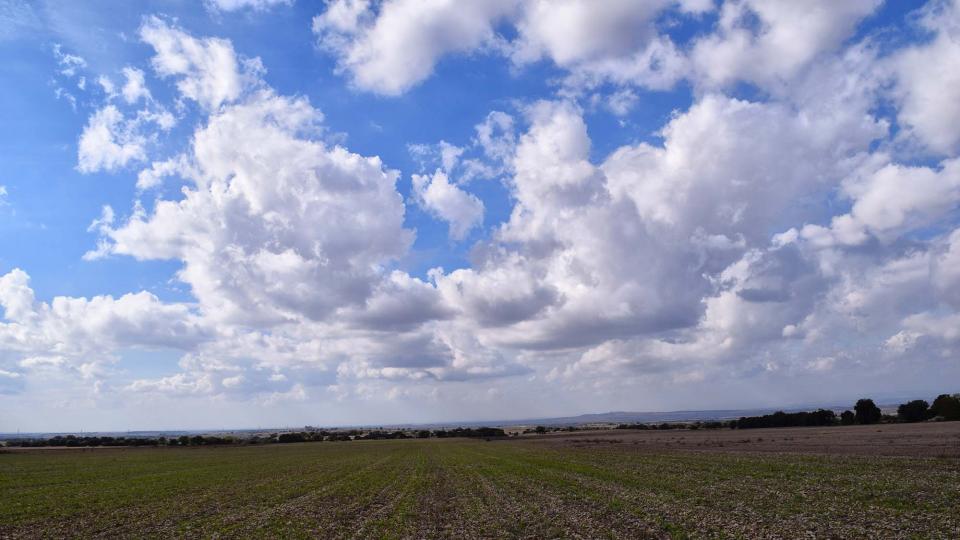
{"x": 249, "y": 212}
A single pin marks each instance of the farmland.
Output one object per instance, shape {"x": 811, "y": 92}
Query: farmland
{"x": 853, "y": 482}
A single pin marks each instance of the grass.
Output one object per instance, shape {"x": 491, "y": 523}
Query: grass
{"x": 467, "y": 488}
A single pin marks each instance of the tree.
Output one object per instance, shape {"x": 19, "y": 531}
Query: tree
{"x": 291, "y": 438}
{"x": 867, "y": 412}
{"x": 946, "y": 406}
{"x": 847, "y": 418}
{"x": 917, "y": 410}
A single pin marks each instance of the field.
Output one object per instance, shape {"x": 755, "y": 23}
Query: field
{"x": 857, "y": 482}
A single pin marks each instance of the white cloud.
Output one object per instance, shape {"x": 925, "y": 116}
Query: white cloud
{"x": 307, "y": 224}
{"x": 791, "y": 235}
{"x": 928, "y": 80}
{"x": 785, "y": 38}
{"x": 107, "y": 85}
{"x": 153, "y": 177}
{"x": 448, "y": 202}
{"x": 891, "y": 201}
{"x": 70, "y": 64}
{"x": 572, "y": 32}
{"x": 208, "y": 70}
{"x": 135, "y": 86}
{"x": 109, "y": 142}
{"x": 697, "y": 7}
{"x": 78, "y": 330}
{"x": 496, "y": 136}
{"x": 396, "y": 47}
{"x": 236, "y": 5}
{"x": 574, "y": 264}
{"x": 392, "y": 46}
{"x": 946, "y": 270}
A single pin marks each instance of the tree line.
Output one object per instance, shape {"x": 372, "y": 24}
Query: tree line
{"x": 308, "y": 435}
{"x": 865, "y": 411}
{"x": 945, "y": 407}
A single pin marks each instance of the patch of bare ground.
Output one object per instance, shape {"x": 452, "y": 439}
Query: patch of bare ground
{"x": 927, "y": 439}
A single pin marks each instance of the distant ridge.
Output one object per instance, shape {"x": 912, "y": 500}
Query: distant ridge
{"x": 627, "y": 417}
{"x": 613, "y": 417}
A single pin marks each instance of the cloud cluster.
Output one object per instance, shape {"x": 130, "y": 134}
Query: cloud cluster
{"x": 437, "y": 195}
{"x": 802, "y": 232}
{"x": 389, "y": 47}
{"x": 927, "y": 80}
{"x": 287, "y": 243}
{"x": 85, "y": 333}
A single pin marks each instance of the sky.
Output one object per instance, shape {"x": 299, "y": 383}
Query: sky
{"x": 242, "y": 213}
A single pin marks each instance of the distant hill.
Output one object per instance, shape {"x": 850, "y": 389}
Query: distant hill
{"x": 629, "y": 417}
{"x": 614, "y": 417}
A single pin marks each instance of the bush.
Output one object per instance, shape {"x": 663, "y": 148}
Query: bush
{"x": 847, "y": 418}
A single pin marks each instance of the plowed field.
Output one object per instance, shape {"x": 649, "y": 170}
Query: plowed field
{"x": 582, "y": 485}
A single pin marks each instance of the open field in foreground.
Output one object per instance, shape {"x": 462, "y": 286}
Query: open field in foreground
{"x": 591, "y": 485}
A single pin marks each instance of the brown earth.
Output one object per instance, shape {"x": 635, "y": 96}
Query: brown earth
{"x": 928, "y": 439}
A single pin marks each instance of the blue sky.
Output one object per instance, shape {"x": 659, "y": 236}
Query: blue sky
{"x": 630, "y": 205}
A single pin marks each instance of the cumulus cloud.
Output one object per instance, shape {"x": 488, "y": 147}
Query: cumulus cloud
{"x": 112, "y": 140}
{"x": 135, "y": 86}
{"x": 615, "y": 41}
{"x": 571, "y": 32}
{"x": 153, "y": 176}
{"x": 285, "y": 243}
{"x": 768, "y": 42}
{"x": 928, "y": 78}
{"x": 109, "y": 142}
{"x": 448, "y": 202}
{"x": 208, "y": 70}
{"x": 387, "y": 49}
{"x": 662, "y": 248}
{"x": 392, "y": 48}
{"x": 78, "y": 331}
{"x": 306, "y": 225}
{"x": 794, "y": 233}
{"x": 891, "y": 201}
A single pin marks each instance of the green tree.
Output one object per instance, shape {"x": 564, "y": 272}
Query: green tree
{"x": 946, "y": 406}
{"x": 847, "y": 418}
{"x": 866, "y": 412}
{"x": 917, "y": 410}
